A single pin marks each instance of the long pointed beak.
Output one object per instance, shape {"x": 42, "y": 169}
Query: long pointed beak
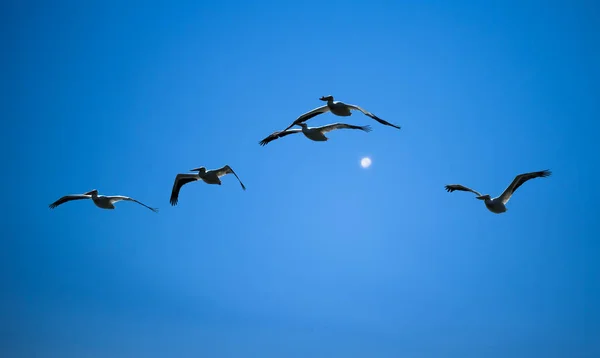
{"x": 480, "y": 197}
{"x": 195, "y": 170}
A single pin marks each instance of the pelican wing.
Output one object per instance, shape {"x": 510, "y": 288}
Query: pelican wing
{"x": 279, "y": 134}
{"x": 519, "y": 180}
{"x": 66, "y": 198}
{"x": 227, "y": 170}
{"x": 115, "y": 198}
{"x": 308, "y": 115}
{"x": 452, "y": 187}
{"x": 352, "y": 106}
{"x": 334, "y": 126}
{"x": 181, "y": 180}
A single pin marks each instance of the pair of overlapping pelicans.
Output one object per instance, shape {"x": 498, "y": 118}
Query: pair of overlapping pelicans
{"x": 496, "y": 205}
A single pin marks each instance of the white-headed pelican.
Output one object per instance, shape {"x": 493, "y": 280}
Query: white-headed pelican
{"x": 498, "y": 205}
{"x": 101, "y": 201}
{"x": 207, "y": 176}
{"x": 314, "y": 133}
{"x": 339, "y": 109}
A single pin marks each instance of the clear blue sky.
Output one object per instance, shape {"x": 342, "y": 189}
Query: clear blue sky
{"x": 319, "y": 257}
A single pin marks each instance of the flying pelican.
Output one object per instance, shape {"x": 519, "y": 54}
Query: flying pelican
{"x": 209, "y": 177}
{"x": 314, "y": 133}
{"x": 101, "y": 201}
{"x": 339, "y": 109}
{"x": 497, "y": 205}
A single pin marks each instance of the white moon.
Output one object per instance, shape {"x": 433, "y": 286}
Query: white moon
{"x": 365, "y": 162}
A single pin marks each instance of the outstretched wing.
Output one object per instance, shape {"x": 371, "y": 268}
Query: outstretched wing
{"x": 280, "y": 134}
{"x": 334, "y": 126}
{"x": 227, "y": 170}
{"x": 452, "y": 187}
{"x": 352, "y": 106}
{"x": 115, "y": 198}
{"x": 519, "y": 180}
{"x": 308, "y": 115}
{"x": 180, "y": 180}
{"x": 66, "y": 198}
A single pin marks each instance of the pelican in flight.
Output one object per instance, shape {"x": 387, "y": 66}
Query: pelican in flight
{"x": 207, "y": 176}
{"x": 314, "y": 133}
{"x": 498, "y": 205}
{"x": 339, "y": 109}
{"x": 101, "y": 201}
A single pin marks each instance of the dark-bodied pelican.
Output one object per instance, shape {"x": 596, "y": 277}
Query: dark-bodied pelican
{"x": 498, "y": 205}
{"x": 314, "y": 133}
{"x": 339, "y": 109}
{"x": 207, "y": 176}
{"x": 101, "y": 201}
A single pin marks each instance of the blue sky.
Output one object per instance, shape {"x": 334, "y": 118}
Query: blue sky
{"x": 319, "y": 257}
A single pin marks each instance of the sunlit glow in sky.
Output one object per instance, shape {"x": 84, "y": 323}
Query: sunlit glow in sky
{"x": 365, "y": 162}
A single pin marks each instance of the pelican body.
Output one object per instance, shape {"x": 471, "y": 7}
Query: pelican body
{"x": 102, "y": 201}
{"x": 494, "y": 205}
{"x": 497, "y": 205}
{"x": 208, "y": 176}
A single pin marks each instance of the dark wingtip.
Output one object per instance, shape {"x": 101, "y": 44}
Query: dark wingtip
{"x": 387, "y": 123}
{"x": 394, "y": 125}
{"x": 270, "y": 138}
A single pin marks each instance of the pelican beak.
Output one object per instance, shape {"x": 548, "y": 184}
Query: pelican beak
{"x": 195, "y": 170}
{"x": 480, "y": 197}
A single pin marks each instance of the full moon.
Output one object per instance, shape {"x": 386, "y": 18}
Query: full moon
{"x": 365, "y": 162}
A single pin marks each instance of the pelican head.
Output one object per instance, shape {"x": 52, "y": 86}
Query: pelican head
{"x": 484, "y": 197}
{"x": 200, "y": 170}
{"x": 326, "y": 98}
{"x": 303, "y": 125}
{"x": 91, "y": 192}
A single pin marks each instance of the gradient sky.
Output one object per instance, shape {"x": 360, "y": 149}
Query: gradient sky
{"x": 319, "y": 257}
